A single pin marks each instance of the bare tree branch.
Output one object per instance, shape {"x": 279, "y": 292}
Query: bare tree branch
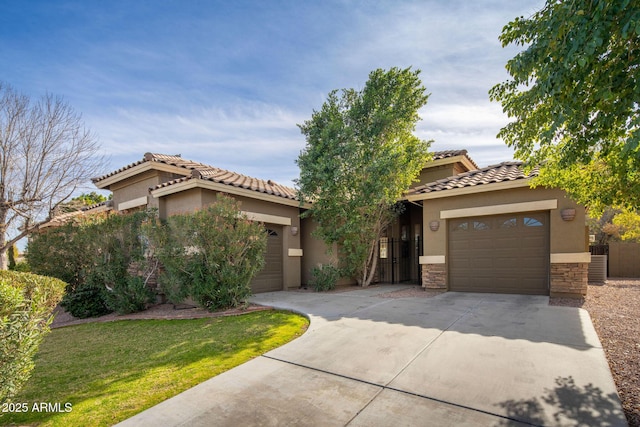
{"x": 46, "y": 155}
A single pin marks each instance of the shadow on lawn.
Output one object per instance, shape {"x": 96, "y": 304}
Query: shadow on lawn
{"x": 567, "y": 404}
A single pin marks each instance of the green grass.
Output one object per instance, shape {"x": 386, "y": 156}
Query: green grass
{"x": 112, "y": 371}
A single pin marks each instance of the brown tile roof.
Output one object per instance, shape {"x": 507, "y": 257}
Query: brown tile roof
{"x": 196, "y": 170}
{"x": 174, "y": 160}
{"x": 222, "y": 176}
{"x": 506, "y": 171}
{"x": 62, "y": 218}
{"x": 439, "y": 155}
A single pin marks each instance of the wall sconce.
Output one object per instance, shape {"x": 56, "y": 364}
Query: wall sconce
{"x": 568, "y": 214}
{"x": 294, "y": 231}
{"x": 434, "y": 225}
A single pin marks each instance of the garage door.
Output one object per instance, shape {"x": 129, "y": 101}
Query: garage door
{"x": 500, "y": 253}
{"x": 270, "y": 277}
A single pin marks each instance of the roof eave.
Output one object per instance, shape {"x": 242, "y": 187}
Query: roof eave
{"x": 472, "y": 189}
{"x": 463, "y": 158}
{"x": 105, "y": 183}
{"x": 225, "y": 188}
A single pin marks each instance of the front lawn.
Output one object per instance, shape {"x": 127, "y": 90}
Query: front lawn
{"x": 108, "y": 372}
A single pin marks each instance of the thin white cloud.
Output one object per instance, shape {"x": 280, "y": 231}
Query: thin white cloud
{"x": 226, "y": 82}
{"x": 246, "y": 136}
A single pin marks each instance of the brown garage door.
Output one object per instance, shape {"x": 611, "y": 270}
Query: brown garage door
{"x": 270, "y": 277}
{"x": 500, "y": 253}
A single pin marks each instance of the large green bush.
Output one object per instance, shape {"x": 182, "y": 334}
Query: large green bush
{"x": 122, "y": 247}
{"x": 86, "y": 300}
{"x": 94, "y": 255}
{"x": 210, "y": 256}
{"x": 26, "y": 305}
{"x": 67, "y": 252}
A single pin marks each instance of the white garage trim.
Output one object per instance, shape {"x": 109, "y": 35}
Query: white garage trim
{"x": 539, "y": 205}
{"x": 571, "y": 258}
{"x": 271, "y": 219}
{"x": 140, "y": 201}
{"x": 432, "y": 259}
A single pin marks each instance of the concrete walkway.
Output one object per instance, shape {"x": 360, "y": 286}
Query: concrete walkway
{"x": 454, "y": 359}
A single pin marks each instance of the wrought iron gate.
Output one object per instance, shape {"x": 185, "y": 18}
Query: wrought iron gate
{"x": 399, "y": 260}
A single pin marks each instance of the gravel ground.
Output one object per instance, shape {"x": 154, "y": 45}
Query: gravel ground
{"x": 614, "y": 311}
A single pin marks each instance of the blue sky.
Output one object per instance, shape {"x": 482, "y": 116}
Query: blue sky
{"x": 225, "y": 83}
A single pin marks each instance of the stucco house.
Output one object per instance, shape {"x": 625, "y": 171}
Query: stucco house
{"x": 464, "y": 228}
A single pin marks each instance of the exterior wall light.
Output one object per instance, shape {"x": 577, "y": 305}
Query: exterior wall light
{"x": 294, "y": 231}
{"x": 568, "y": 214}
{"x": 434, "y": 225}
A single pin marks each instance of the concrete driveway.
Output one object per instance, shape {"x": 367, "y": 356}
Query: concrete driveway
{"x": 454, "y": 359}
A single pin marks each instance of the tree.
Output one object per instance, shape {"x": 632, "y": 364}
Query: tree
{"x": 628, "y": 223}
{"x": 574, "y": 94}
{"x": 360, "y": 157}
{"x": 46, "y": 154}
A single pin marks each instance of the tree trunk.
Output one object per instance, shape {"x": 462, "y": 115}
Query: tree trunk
{"x": 372, "y": 262}
{"x": 3, "y": 239}
{"x": 372, "y": 272}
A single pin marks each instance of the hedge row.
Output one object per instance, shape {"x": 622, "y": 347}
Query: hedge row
{"x": 26, "y": 305}
{"x": 209, "y": 256}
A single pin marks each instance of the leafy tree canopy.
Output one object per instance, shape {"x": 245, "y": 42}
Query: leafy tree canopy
{"x": 360, "y": 157}
{"x": 574, "y": 94}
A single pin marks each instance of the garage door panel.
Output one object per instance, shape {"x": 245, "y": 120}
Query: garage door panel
{"x": 270, "y": 278}
{"x": 501, "y": 253}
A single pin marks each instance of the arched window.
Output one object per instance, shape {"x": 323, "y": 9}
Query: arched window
{"x": 509, "y": 223}
{"x": 532, "y": 222}
{"x": 480, "y": 226}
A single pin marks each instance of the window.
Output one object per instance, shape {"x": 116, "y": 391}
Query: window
{"x": 509, "y": 223}
{"x": 463, "y": 226}
{"x": 532, "y": 222}
{"x": 383, "y": 247}
{"x": 480, "y": 226}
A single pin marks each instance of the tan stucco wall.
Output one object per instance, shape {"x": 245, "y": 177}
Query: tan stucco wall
{"x": 180, "y": 203}
{"x": 138, "y": 186}
{"x": 315, "y": 253}
{"x": 566, "y": 236}
{"x": 431, "y": 174}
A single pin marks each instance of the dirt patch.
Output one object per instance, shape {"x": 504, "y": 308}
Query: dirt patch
{"x": 160, "y": 311}
{"x": 613, "y": 308}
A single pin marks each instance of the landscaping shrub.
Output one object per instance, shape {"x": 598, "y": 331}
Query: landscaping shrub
{"x": 22, "y": 267}
{"x": 86, "y": 300}
{"x": 67, "y": 252}
{"x": 324, "y": 277}
{"x": 129, "y": 295}
{"x": 210, "y": 256}
{"x": 26, "y": 304}
{"x": 123, "y": 245}
{"x": 93, "y": 254}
